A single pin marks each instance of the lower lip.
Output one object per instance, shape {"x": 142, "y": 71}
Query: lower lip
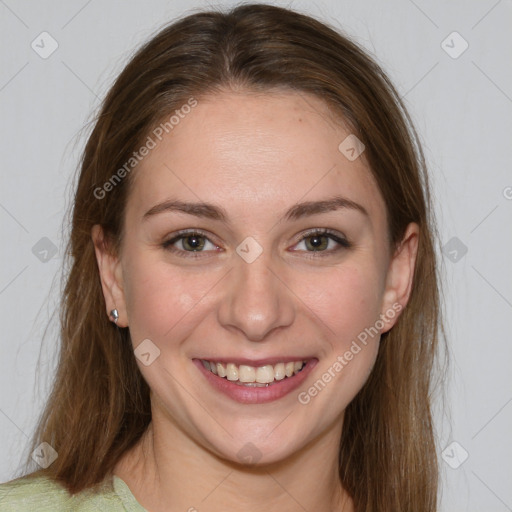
{"x": 257, "y": 395}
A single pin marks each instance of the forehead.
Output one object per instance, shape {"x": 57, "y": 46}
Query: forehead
{"x": 254, "y": 152}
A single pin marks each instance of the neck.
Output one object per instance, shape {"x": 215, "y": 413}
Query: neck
{"x": 167, "y": 470}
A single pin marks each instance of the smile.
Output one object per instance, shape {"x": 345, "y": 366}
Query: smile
{"x": 256, "y": 376}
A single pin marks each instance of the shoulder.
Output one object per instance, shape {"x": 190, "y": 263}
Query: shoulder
{"x": 32, "y": 493}
{"x": 43, "y": 494}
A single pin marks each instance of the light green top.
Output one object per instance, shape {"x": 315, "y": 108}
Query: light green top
{"x": 42, "y": 494}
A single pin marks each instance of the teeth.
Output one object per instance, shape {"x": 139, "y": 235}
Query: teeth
{"x": 265, "y": 374}
{"x": 221, "y": 370}
{"x": 252, "y": 384}
{"x": 246, "y": 373}
{"x": 279, "y": 373}
{"x": 231, "y": 371}
{"x": 254, "y": 376}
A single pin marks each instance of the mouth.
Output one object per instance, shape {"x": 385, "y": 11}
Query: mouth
{"x": 256, "y": 383}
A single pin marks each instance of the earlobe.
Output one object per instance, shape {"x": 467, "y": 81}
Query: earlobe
{"x": 109, "y": 268}
{"x": 400, "y": 275}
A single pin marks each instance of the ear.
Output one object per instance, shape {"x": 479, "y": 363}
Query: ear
{"x": 111, "y": 276}
{"x": 400, "y": 277}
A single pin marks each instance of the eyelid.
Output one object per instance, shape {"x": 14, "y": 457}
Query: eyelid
{"x": 190, "y": 231}
{"x": 337, "y": 236}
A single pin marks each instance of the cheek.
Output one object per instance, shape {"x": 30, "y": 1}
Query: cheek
{"x": 346, "y": 300}
{"x": 160, "y": 299}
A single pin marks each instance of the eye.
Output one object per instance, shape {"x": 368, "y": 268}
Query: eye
{"x": 322, "y": 240}
{"x": 189, "y": 242}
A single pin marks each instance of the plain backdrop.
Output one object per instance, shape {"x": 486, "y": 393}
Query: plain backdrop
{"x": 451, "y": 61}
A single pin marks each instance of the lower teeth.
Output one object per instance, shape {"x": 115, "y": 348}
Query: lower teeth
{"x": 252, "y": 384}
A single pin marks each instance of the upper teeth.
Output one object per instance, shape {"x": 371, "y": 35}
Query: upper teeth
{"x": 259, "y": 374}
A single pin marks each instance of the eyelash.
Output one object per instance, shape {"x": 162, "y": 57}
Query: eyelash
{"x": 342, "y": 242}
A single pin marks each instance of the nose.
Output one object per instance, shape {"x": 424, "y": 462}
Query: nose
{"x": 256, "y": 300}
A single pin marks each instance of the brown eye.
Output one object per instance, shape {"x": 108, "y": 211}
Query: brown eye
{"x": 193, "y": 242}
{"x": 189, "y": 242}
{"x": 317, "y": 242}
{"x": 322, "y": 241}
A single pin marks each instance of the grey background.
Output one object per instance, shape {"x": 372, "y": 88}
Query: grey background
{"x": 461, "y": 106}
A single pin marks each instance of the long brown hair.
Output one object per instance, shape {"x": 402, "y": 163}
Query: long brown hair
{"x": 100, "y": 404}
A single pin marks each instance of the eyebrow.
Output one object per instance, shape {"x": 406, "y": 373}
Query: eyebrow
{"x": 297, "y": 211}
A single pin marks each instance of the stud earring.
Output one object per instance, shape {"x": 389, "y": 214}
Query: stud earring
{"x": 114, "y": 316}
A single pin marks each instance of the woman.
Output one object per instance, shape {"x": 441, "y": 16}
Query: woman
{"x": 251, "y": 314}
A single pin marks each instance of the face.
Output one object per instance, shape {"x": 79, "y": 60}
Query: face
{"x": 254, "y": 248}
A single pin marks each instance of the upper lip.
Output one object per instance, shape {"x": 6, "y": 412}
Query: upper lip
{"x": 256, "y": 362}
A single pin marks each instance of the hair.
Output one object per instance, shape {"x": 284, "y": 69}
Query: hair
{"x": 100, "y": 406}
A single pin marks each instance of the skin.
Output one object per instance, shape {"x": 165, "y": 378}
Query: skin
{"x": 255, "y": 156}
